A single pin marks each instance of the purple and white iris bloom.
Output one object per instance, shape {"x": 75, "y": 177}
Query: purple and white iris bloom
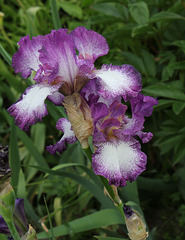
{"x": 118, "y": 156}
{"x": 61, "y": 72}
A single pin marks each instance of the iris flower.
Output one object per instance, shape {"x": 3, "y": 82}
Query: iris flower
{"x": 95, "y": 99}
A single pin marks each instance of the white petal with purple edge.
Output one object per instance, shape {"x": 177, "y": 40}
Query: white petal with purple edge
{"x": 119, "y": 162}
{"x": 69, "y": 137}
{"x": 31, "y": 108}
{"x": 122, "y": 80}
{"x": 27, "y": 57}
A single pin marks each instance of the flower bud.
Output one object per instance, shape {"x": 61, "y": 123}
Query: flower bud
{"x": 30, "y": 235}
{"x": 135, "y": 226}
{"x": 79, "y": 115}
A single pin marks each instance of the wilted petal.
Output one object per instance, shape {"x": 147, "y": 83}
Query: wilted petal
{"x": 27, "y": 57}
{"x": 31, "y": 108}
{"x": 69, "y": 137}
{"x": 116, "y": 81}
{"x": 119, "y": 161}
{"x": 90, "y": 44}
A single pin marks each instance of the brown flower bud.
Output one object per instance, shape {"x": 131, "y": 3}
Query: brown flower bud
{"x": 79, "y": 115}
{"x": 135, "y": 225}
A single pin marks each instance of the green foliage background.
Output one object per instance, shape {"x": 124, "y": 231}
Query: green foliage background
{"x": 148, "y": 34}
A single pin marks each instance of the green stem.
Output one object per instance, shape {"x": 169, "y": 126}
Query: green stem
{"x": 13, "y": 230}
{"x": 105, "y": 182}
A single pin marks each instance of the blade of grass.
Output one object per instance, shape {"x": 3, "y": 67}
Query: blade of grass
{"x": 55, "y": 14}
{"x": 14, "y": 156}
{"x": 94, "y": 189}
{"x": 27, "y": 142}
{"x": 50, "y": 223}
{"x": 5, "y": 55}
{"x": 93, "y": 221}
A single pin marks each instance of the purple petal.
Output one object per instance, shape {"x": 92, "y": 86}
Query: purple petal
{"x": 19, "y": 217}
{"x": 3, "y": 227}
{"x": 91, "y": 95}
{"x": 117, "y": 109}
{"x": 69, "y": 137}
{"x": 56, "y": 98}
{"x": 119, "y": 161}
{"x": 31, "y": 108}
{"x": 122, "y": 80}
{"x": 98, "y": 111}
{"x": 90, "y": 44}
{"x": 58, "y": 57}
{"x": 27, "y": 57}
{"x": 143, "y": 105}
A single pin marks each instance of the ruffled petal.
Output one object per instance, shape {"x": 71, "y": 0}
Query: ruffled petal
{"x": 58, "y": 57}
{"x": 31, "y": 108}
{"x": 90, "y": 44}
{"x": 69, "y": 137}
{"x": 143, "y": 105}
{"x": 119, "y": 161}
{"x": 116, "y": 81}
{"x": 27, "y": 57}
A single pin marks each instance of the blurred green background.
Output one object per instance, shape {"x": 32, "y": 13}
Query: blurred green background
{"x": 148, "y": 34}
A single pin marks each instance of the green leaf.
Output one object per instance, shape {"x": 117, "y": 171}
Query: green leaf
{"x": 112, "y": 9}
{"x": 14, "y": 156}
{"x": 180, "y": 43}
{"x": 143, "y": 30}
{"x": 139, "y": 12}
{"x": 5, "y": 55}
{"x": 149, "y": 62}
{"x": 55, "y": 14}
{"x": 178, "y": 107}
{"x": 136, "y": 61}
{"x": 27, "y": 142}
{"x": 177, "y": 65}
{"x": 163, "y": 103}
{"x": 93, "y": 221}
{"x": 165, "y": 16}
{"x": 72, "y": 9}
{"x": 108, "y": 238}
{"x": 95, "y": 190}
{"x": 165, "y": 91}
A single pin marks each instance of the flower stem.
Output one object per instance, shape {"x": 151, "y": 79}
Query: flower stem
{"x": 13, "y": 230}
{"x": 105, "y": 182}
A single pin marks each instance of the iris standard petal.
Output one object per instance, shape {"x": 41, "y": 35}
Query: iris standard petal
{"x": 116, "y": 81}
{"x": 90, "y": 44}
{"x": 69, "y": 137}
{"x": 30, "y": 108}
{"x": 58, "y": 57}
{"x": 27, "y": 57}
{"x": 119, "y": 161}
